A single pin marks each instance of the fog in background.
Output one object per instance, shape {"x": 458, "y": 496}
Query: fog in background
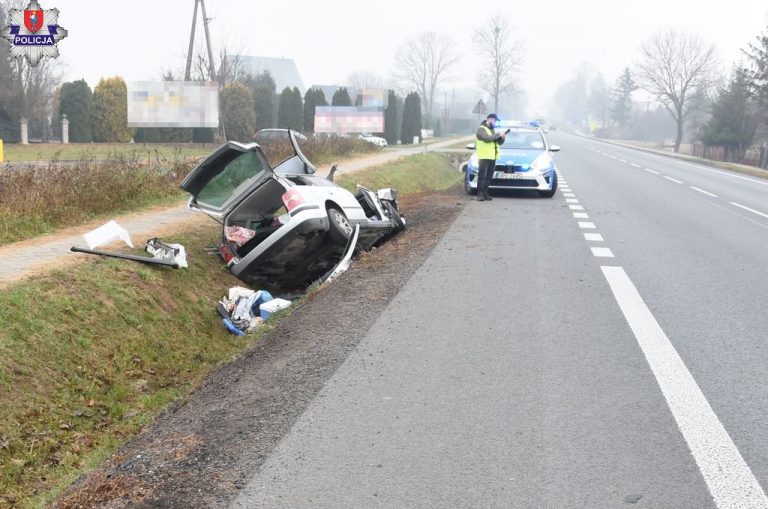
{"x": 329, "y": 40}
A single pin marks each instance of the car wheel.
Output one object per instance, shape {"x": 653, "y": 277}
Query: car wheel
{"x": 550, "y": 193}
{"x": 340, "y": 228}
{"x": 397, "y": 219}
{"x": 469, "y": 190}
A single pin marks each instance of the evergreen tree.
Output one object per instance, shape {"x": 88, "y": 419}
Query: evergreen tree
{"x": 734, "y": 118}
{"x": 341, "y": 98}
{"x": 262, "y": 88}
{"x": 758, "y": 74}
{"x": 390, "y": 119}
{"x": 411, "y": 118}
{"x": 312, "y": 99}
{"x": 236, "y": 112}
{"x": 621, "y": 107}
{"x": 289, "y": 111}
{"x": 110, "y": 111}
{"x": 76, "y": 103}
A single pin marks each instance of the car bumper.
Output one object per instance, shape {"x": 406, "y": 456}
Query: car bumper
{"x": 539, "y": 182}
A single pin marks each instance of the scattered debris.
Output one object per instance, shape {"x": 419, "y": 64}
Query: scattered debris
{"x": 173, "y": 252}
{"x": 346, "y": 260}
{"x": 243, "y": 310}
{"x": 107, "y": 233}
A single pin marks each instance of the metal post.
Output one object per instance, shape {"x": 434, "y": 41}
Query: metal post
{"x": 188, "y": 72}
{"x": 24, "y": 131}
{"x": 64, "y": 130}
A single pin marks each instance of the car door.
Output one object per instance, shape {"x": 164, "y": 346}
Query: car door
{"x": 226, "y": 177}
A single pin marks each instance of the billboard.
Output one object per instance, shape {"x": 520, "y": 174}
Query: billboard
{"x": 373, "y": 98}
{"x": 348, "y": 119}
{"x": 173, "y": 104}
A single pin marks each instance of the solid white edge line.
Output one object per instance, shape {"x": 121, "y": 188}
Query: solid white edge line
{"x": 652, "y": 171}
{"x": 673, "y": 179}
{"x": 744, "y": 207}
{"x": 602, "y": 252}
{"x": 713, "y": 195}
{"x": 593, "y": 237}
{"x": 730, "y": 480}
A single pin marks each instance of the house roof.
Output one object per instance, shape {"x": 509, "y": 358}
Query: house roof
{"x": 283, "y": 70}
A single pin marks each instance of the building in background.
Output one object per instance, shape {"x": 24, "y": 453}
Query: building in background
{"x": 283, "y": 70}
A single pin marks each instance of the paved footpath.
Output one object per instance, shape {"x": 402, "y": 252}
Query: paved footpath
{"x": 29, "y": 257}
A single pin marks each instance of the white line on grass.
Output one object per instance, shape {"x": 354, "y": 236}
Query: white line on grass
{"x": 731, "y": 483}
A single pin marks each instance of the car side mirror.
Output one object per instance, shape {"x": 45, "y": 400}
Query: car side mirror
{"x": 470, "y": 146}
{"x": 554, "y": 148}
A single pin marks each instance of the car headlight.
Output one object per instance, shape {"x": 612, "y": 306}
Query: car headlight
{"x": 542, "y": 163}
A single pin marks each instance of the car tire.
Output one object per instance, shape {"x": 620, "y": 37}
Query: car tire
{"x": 469, "y": 190}
{"x": 551, "y": 192}
{"x": 397, "y": 219}
{"x": 339, "y": 227}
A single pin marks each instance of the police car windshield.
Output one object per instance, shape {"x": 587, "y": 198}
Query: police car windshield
{"x": 522, "y": 140}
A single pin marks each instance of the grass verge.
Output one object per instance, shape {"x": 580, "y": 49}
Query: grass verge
{"x": 413, "y": 174}
{"x": 97, "y": 151}
{"x": 89, "y": 355}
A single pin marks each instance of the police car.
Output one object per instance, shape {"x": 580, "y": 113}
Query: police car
{"x": 525, "y": 161}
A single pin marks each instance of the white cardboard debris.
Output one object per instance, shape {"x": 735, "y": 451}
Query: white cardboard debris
{"x": 107, "y": 233}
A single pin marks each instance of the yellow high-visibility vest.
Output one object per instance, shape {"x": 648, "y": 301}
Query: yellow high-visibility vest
{"x": 487, "y": 149}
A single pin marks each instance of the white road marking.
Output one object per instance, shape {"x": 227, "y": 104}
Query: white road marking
{"x": 703, "y": 191}
{"x": 586, "y": 225}
{"x": 727, "y": 174}
{"x": 744, "y": 207}
{"x": 652, "y": 171}
{"x": 635, "y": 165}
{"x": 613, "y": 157}
{"x": 580, "y": 215}
{"x": 673, "y": 180}
{"x": 571, "y": 200}
{"x": 576, "y": 207}
{"x": 731, "y": 483}
{"x": 569, "y": 195}
{"x": 593, "y": 237}
{"x": 602, "y": 252}
{"x": 622, "y": 160}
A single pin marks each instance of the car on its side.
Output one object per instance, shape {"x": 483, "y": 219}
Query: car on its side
{"x": 525, "y": 162}
{"x": 282, "y": 225}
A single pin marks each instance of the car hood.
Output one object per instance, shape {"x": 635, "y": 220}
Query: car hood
{"x": 518, "y": 157}
{"x": 218, "y": 196}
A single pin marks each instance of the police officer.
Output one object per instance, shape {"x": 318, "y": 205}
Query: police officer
{"x": 487, "y": 147}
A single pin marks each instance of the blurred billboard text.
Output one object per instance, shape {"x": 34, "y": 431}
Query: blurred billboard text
{"x": 348, "y": 119}
{"x": 173, "y": 104}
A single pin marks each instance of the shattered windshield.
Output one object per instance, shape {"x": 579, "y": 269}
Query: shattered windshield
{"x": 240, "y": 171}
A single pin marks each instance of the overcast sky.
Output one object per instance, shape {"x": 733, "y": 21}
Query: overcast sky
{"x": 329, "y": 39}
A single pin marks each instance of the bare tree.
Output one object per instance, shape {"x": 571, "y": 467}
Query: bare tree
{"x": 423, "y": 63}
{"x": 677, "y": 69}
{"x": 501, "y": 57}
{"x": 364, "y": 79}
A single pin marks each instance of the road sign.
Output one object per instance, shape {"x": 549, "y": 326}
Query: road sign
{"x": 480, "y": 108}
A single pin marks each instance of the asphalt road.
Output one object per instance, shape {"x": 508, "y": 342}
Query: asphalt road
{"x": 603, "y": 348}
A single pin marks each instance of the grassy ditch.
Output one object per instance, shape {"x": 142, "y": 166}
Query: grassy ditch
{"x": 413, "y": 174}
{"x": 89, "y": 355}
{"x": 40, "y": 200}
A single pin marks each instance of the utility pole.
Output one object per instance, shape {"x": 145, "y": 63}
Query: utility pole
{"x": 188, "y": 71}
{"x": 211, "y": 64}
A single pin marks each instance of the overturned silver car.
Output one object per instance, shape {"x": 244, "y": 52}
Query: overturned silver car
{"x": 282, "y": 225}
